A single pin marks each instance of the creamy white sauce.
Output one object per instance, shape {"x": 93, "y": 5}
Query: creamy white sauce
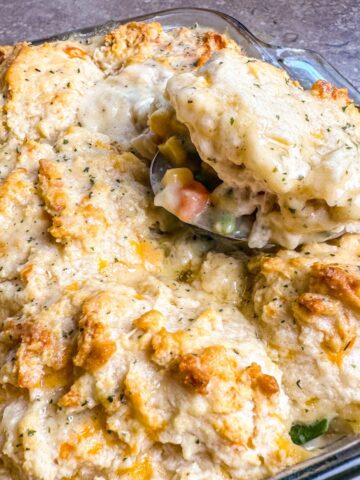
{"x": 119, "y": 106}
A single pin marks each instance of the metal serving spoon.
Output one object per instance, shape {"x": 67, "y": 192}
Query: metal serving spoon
{"x": 204, "y": 222}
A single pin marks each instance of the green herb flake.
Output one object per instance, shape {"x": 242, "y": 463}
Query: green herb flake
{"x": 31, "y": 433}
{"x": 65, "y": 141}
{"x": 301, "y": 433}
{"x": 232, "y": 120}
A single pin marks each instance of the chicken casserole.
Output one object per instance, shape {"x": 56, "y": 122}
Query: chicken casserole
{"x": 131, "y": 347}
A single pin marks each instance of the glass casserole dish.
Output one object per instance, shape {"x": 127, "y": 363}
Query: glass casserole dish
{"x": 340, "y": 458}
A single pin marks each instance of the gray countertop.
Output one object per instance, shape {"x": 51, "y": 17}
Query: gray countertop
{"x": 329, "y": 26}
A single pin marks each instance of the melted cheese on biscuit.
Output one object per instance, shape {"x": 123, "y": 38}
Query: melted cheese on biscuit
{"x": 308, "y": 307}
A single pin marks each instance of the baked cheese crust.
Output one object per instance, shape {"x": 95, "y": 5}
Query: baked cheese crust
{"x": 307, "y": 305}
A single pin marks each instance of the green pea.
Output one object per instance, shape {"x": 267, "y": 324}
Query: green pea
{"x": 226, "y": 224}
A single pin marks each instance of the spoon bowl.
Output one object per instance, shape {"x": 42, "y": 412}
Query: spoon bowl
{"x": 204, "y": 222}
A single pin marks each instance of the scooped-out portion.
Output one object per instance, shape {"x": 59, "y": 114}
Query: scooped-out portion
{"x": 288, "y": 158}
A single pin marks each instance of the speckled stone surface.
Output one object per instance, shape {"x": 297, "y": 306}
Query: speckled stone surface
{"x": 332, "y": 27}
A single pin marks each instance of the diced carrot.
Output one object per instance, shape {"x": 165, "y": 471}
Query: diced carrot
{"x": 193, "y": 201}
